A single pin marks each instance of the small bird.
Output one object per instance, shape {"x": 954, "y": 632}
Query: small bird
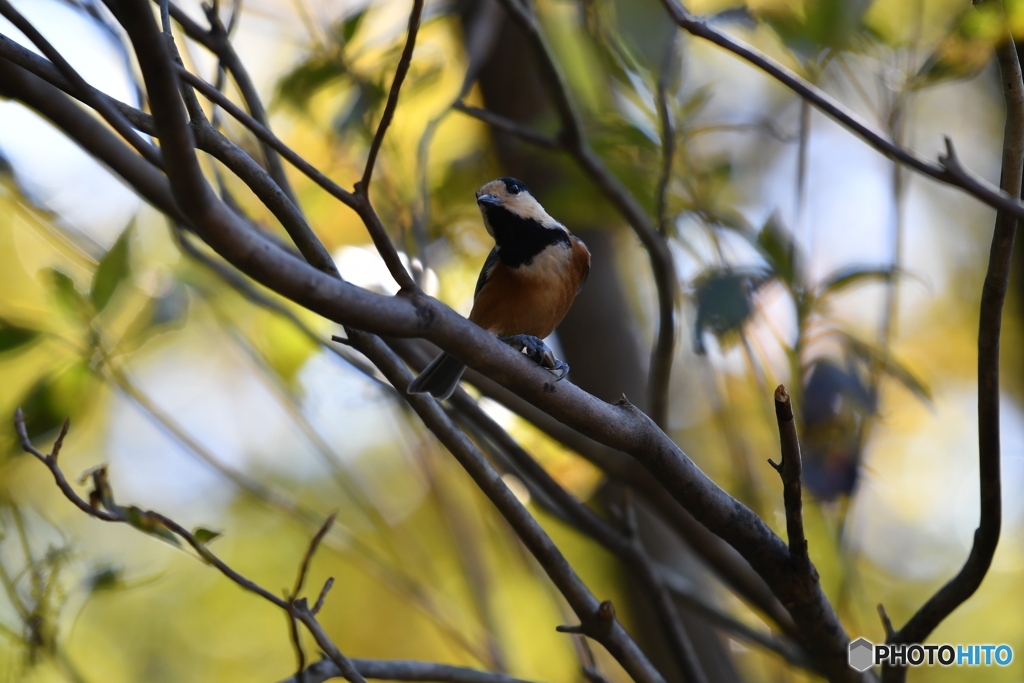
{"x": 527, "y": 284}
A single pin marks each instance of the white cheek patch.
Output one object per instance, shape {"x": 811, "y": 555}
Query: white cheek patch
{"x": 550, "y": 265}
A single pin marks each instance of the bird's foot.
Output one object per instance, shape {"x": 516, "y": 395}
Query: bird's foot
{"x": 537, "y": 351}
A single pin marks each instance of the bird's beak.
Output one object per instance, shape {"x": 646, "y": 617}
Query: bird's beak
{"x": 488, "y": 199}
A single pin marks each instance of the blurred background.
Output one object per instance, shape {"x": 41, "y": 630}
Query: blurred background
{"x": 803, "y": 257}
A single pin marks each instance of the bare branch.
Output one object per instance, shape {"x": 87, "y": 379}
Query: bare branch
{"x": 790, "y": 470}
{"x": 506, "y": 125}
{"x": 92, "y": 135}
{"x": 308, "y": 557}
{"x": 345, "y": 667}
{"x": 404, "y": 61}
{"x": 986, "y": 537}
{"x": 300, "y": 654}
{"x": 220, "y": 40}
{"x": 102, "y": 506}
{"x": 328, "y": 584}
{"x": 403, "y": 670}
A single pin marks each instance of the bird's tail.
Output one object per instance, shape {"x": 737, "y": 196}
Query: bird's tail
{"x": 440, "y": 378}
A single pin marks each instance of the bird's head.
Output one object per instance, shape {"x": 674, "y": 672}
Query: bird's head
{"x": 507, "y": 200}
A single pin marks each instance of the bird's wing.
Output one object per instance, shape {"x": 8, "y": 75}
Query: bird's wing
{"x": 485, "y": 272}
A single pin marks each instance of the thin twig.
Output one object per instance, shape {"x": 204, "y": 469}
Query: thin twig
{"x": 886, "y": 622}
{"x": 507, "y": 125}
{"x": 328, "y": 584}
{"x": 392, "y": 103}
{"x": 790, "y": 470}
{"x": 218, "y": 41}
{"x": 308, "y": 557}
{"x": 300, "y": 654}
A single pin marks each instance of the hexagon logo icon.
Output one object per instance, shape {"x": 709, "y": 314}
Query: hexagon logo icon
{"x": 861, "y": 654}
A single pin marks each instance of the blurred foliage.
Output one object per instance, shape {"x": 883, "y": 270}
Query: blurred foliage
{"x": 186, "y": 397}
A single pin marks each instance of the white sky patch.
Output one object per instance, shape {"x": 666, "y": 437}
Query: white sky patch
{"x": 364, "y": 267}
{"x": 219, "y": 402}
{"x": 51, "y": 169}
{"x": 918, "y": 503}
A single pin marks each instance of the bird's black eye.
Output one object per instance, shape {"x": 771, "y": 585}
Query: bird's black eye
{"x": 513, "y": 186}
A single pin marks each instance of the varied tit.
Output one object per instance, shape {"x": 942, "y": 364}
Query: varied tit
{"x": 527, "y": 284}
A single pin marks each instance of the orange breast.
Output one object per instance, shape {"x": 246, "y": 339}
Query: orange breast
{"x": 532, "y": 299}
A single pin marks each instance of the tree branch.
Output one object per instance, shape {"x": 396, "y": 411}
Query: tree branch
{"x": 790, "y": 470}
{"x": 363, "y": 187}
{"x": 986, "y": 537}
{"x": 499, "y": 122}
{"x": 403, "y": 670}
{"x": 629, "y": 550}
{"x": 220, "y": 41}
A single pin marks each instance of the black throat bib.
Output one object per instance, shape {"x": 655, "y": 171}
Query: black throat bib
{"x": 520, "y": 239}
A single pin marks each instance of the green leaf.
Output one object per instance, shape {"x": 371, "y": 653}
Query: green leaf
{"x": 320, "y": 70}
{"x": 369, "y": 98}
{"x": 725, "y": 303}
{"x": 873, "y": 355}
{"x": 67, "y": 294}
{"x": 111, "y": 272}
{"x": 102, "y": 492}
{"x": 13, "y": 337}
{"x": 809, "y": 27}
{"x": 104, "y": 579}
{"x": 780, "y": 251}
{"x": 855, "y": 275}
{"x": 147, "y": 522}
{"x": 348, "y": 28}
{"x": 54, "y": 397}
{"x": 204, "y": 535}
